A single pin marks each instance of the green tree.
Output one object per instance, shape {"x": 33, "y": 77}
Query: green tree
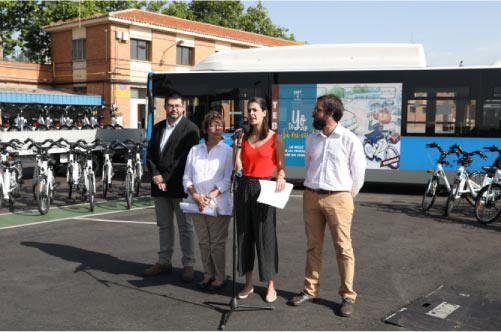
{"x": 222, "y": 13}
{"x": 257, "y": 20}
{"x": 178, "y": 9}
{"x": 21, "y": 22}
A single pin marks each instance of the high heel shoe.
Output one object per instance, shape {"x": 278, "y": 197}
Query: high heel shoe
{"x": 271, "y": 298}
{"x": 243, "y": 296}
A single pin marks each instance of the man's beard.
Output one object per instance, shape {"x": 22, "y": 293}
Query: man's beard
{"x": 173, "y": 116}
{"x": 319, "y": 124}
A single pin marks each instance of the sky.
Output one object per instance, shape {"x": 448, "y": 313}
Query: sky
{"x": 450, "y": 31}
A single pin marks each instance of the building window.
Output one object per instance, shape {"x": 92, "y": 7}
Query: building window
{"x": 139, "y": 49}
{"x": 138, "y": 93}
{"x": 79, "y": 51}
{"x": 184, "y": 56}
{"x": 80, "y": 89}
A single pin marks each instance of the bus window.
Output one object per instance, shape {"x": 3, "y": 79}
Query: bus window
{"x": 416, "y": 117}
{"x": 491, "y": 116}
{"x": 445, "y": 117}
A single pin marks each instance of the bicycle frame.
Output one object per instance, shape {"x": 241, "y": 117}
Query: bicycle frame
{"x": 466, "y": 185}
{"x": 73, "y": 169}
{"x": 138, "y": 165}
{"x": 130, "y": 168}
{"x": 107, "y": 171}
{"x": 87, "y": 172}
{"x": 440, "y": 174}
{"x": 5, "y": 176}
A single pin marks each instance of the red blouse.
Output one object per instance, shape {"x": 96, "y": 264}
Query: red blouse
{"x": 259, "y": 162}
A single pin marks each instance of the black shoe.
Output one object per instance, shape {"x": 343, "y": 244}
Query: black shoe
{"x": 347, "y": 307}
{"x": 214, "y": 288}
{"x": 301, "y": 298}
{"x": 204, "y": 284}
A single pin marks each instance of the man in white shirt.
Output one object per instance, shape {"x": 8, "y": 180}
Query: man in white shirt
{"x": 335, "y": 171}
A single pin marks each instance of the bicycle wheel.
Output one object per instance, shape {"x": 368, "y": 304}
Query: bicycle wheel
{"x": 137, "y": 180}
{"x": 369, "y": 150}
{"x": 128, "y": 189}
{"x": 35, "y": 180}
{"x": 451, "y": 199}
{"x": 478, "y": 178}
{"x": 12, "y": 201}
{"x": 488, "y": 204}
{"x": 69, "y": 179}
{"x": 392, "y": 152}
{"x": 1, "y": 195}
{"x": 105, "y": 180}
{"x": 430, "y": 194}
{"x": 92, "y": 192}
{"x": 19, "y": 170}
{"x": 42, "y": 197}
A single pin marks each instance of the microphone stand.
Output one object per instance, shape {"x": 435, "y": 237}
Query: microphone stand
{"x": 233, "y": 304}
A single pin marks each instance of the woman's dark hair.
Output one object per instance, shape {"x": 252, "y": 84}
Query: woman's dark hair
{"x": 334, "y": 105}
{"x": 210, "y": 117}
{"x": 265, "y": 127}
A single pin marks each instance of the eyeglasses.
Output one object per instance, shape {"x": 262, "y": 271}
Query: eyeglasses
{"x": 169, "y": 106}
{"x": 317, "y": 110}
{"x": 216, "y": 127}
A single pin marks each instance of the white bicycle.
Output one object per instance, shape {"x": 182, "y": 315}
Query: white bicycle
{"x": 11, "y": 172}
{"x": 134, "y": 169}
{"x": 107, "y": 171}
{"x": 44, "y": 182}
{"x": 465, "y": 184}
{"x": 488, "y": 203}
{"x": 436, "y": 175}
{"x": 87, "y": 179}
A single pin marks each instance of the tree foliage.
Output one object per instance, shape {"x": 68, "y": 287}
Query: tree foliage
{"x": 21, "y": 22}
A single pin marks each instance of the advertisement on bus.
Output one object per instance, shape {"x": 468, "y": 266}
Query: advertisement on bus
{"x": 372, "y": 112}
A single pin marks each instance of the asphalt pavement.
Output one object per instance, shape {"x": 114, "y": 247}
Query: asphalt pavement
{"x": 74, "y": 270}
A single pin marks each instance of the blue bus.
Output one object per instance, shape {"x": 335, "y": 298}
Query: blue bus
{"x": 393, "y": 102}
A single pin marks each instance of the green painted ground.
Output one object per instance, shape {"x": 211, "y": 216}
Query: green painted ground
{"x": 70, "y": 211}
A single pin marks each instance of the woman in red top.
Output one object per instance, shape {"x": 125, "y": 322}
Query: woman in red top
{"x": 261, "y": 154}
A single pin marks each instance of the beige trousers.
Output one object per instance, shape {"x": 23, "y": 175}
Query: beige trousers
{"x": 212, "y": 233}
{"x": 335, "y": 210}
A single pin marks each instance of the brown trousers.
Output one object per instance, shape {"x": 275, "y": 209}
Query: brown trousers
{"x": 336, "y": 211}
{"x": 212, "y": 233}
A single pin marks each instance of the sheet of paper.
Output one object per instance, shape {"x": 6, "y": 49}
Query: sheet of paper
{"x": 209, "y": 210}
{"x": 274, "y": 198}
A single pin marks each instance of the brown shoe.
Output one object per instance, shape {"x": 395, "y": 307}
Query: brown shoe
{"x": 188, "y": 274}
{"x": 157, "y": 269}
{"x": 347, "y": 307}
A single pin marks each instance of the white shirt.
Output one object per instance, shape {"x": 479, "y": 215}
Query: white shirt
{"x": 207, "y": 170}
{"x": 168, "y": 131}
{"x": 336, "y": 162}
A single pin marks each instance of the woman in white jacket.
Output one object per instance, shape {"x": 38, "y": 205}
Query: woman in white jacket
{"x": 207, "y": 180}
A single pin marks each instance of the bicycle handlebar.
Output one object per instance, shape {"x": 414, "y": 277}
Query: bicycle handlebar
{"x": 15, "y": 144}
{"x": 39, "y": 146}
{"x": 492, "y": 148}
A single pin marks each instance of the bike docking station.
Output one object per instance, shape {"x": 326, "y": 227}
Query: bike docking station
{"x": 89, "y": 135}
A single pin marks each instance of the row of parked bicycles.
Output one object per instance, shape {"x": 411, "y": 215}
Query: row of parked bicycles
{"x": 17, "y": 117}
{"x": 481, "y": 189}
{"x": 80, "y": 172}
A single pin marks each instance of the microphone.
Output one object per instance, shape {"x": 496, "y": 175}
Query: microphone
{"x": 238, "y": 133}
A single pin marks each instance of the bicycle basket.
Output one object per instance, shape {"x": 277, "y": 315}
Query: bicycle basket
{"x": 395, "y": 138}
